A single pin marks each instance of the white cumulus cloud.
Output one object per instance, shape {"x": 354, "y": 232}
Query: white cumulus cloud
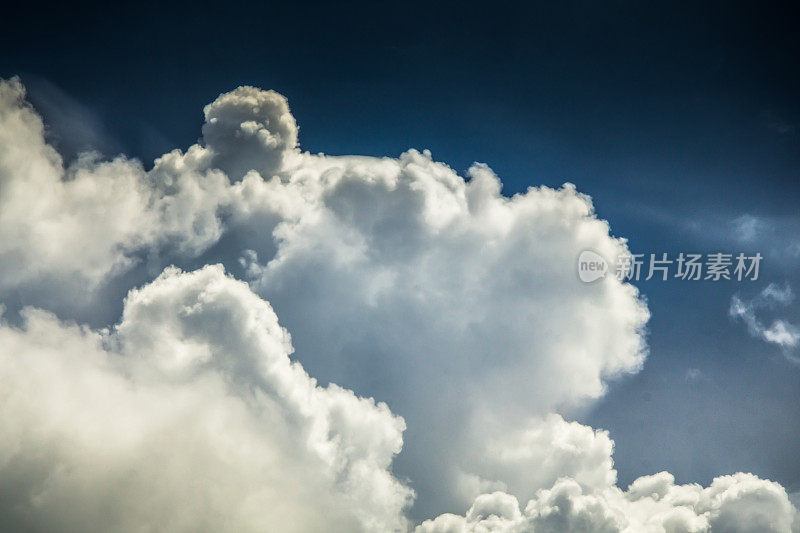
{"x": 398, "y": 278}
{"x": 186, "y": 416}
{"x": 739, "y": 503}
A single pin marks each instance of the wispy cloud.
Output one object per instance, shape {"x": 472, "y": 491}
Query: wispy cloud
{"x": 774, "y": 122}
{"x": 779, "y": 332}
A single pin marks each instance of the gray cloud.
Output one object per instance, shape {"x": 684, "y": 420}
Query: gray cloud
{"x": 249, "y": 129}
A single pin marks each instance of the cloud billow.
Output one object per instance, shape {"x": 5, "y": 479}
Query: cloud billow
{"x": 188, "y": 416}
{"x": 457, "y": 306}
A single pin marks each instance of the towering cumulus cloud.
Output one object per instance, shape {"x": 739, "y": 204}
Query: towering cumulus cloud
{"x": 457, "y": 306}
{"x": 188, "y": 415}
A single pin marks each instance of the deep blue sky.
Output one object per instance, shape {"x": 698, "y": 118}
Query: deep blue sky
{"x": 675, "y": 118}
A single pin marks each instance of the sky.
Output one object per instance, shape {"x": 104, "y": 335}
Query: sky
{"x": 408, "y": 277}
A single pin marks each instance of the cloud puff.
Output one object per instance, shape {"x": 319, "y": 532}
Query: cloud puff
{"x": 187, "y": 416}
{"x": 741, "y": 503}
{"x": 249, "y": 129}
{"x": 539, "y": 452}
{"x": 56, "y": 221}
{"x": 66, "y": 231}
